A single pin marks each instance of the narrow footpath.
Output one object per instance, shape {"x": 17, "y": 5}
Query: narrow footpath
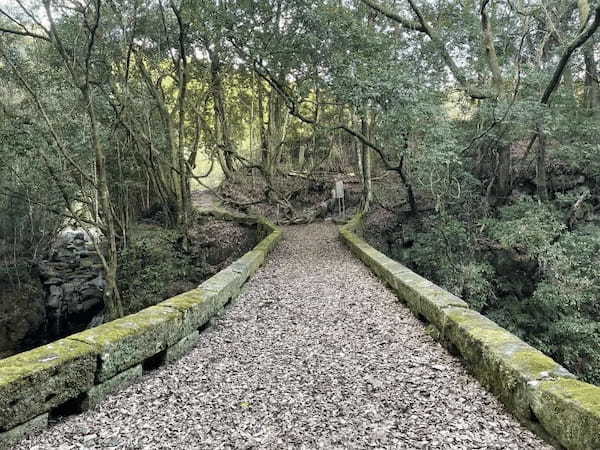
{"x": 315, "y": 353}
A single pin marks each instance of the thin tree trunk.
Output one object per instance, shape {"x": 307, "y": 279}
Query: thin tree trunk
{"x": 591, "y": 95}
{"x": 221, "y": 120}
{"x": 112, "y": 298}
{"x": 366, "y": 168}
{"x": 541, "y": 177}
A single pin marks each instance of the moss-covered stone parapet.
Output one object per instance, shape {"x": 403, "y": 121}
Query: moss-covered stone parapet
{"x": 34, "y": 382}
{"x": 422, "y": 296}
{"x": 249, "y": 263}
{"x": 85, "y": 367}
{"x": 538, "y": 390}
{"x": 128, "y": 341}
{"x": 569, "y": 410}
{"x": 501, "y": 361}
{"x": 196, "y": 306}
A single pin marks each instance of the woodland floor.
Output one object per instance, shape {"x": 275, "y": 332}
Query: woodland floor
{"x": 315, "y": 353}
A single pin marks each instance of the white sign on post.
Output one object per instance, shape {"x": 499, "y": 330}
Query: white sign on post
{"x": 338, "y": 193}
{"x": 339, "y": 189}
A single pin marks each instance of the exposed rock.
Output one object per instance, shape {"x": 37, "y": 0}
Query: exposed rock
{"x": 73, "y": 285}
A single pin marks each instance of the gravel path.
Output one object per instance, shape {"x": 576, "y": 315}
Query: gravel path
{"x": 316, "y": 353}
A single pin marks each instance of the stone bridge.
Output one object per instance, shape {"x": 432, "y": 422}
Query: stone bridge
{"x": 315, "y": 351}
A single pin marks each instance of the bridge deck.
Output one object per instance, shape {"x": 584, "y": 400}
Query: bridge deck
{"x": 316, "y": 353}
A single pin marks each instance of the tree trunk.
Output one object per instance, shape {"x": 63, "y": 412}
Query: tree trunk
{"x": 541, "y": 177}
{"x": 301, "y": 150}
{"x": 591, "y": 93}
{"x": 223, "y": 131}
{"x": 503, "y": 186}
{"x": 112, "y": 299}
{"x": 366, "y": 168}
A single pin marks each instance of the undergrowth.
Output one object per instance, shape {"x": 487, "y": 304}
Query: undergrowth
{"x": 521, "y": 267}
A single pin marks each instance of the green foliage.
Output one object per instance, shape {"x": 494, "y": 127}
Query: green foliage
{"x": 443, "y": 252}
{"x": 526, "y": 227}
{"x": 531, "y": 276}
{"x": 154, "y": 267}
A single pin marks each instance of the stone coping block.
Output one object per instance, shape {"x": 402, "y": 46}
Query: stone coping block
{"x": 130, "y": 340}
{"x": 196, "y": 306}
{"x": 100, "y": 391}
{"x": 569, "y": 410}
{"x": 249, "y": 263}
{"x": 225, "y": 285}
{"x": 500, "y": 360}
{"x": 34, "y": 382}
{"x": 538, "y": 390}
{"x": 269, "y": 243}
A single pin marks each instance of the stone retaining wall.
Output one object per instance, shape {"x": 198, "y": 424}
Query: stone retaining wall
{"x": 77, "y": 372}
{"x": 536, "y": 389}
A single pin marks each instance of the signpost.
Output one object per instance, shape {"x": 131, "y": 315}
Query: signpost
{"x": 338, "y": 193}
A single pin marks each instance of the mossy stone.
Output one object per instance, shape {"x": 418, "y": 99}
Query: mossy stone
{"x": 184, "y": 346}
{"x": 197, "y": 307}
{"x": 499, "y": 359}
{"x": 522, "y": 377}
{"x": 408, "y": 288}
{"x": 100, "y": 391}
{"x": 430, "y": 301}
{"x": 568, "y": 409}
{"x": 226, "y": 285}
{"x": 248, "y": 264}
{"x": 128, "y": 341}
{"x": 269, "y": 243}
{"x": 34, "y": 382}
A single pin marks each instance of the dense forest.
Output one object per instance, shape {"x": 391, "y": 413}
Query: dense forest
{"x": 468, "y": 130}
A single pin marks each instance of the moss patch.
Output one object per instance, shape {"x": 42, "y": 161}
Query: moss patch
{"x": 33, "y": 382}
{"x": 500, "y": 360}
{"x": 431, "y": 301}
{"x": 196, "y": 306}
{"x": 570, "y": 410}
{"x": 128, "y": 341}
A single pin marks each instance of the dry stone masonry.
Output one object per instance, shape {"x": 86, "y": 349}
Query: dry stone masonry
{"x": 540, "y": 392}
{"x": 316, "y": 353}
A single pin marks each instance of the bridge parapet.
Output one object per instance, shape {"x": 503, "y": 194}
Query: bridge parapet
{"x": 538, "y": 390}
{"x": 77, "y": 372}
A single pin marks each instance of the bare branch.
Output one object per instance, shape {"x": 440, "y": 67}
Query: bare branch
{"x": 579, "y": 40}
{"x": 408, "y": 24}
{"x": 23, "y": 32}
{"x": 424, "y": 27}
